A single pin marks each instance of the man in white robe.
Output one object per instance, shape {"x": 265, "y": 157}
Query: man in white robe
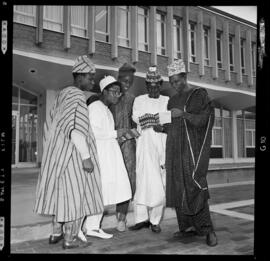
{"x": 114, "y": 178}
{"x": 150, "y": 110}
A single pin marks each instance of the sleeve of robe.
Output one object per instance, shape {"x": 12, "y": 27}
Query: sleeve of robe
{"x": 75, "y": 114}
{"x": 96, "y": 117}
{"x": 80, "y": 143}
{"x": 199, "y": 108}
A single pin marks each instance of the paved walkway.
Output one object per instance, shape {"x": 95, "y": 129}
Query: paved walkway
{"x": 232, "y": 211}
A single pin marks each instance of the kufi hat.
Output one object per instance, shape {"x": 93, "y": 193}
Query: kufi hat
{"x": 153, "y": 75}
{"x": 107, "y": 80}
{"x": 178, "y": 66}
{"x": 83, "y": 65}
{"x": 126, "y": 69}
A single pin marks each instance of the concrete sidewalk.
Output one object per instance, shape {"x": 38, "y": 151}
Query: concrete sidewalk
{"x": 26, "y": 225}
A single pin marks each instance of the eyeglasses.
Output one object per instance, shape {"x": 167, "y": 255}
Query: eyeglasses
{"x": 115, "y": 93}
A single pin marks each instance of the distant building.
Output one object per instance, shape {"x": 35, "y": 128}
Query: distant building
{"x": 219, "y": 50}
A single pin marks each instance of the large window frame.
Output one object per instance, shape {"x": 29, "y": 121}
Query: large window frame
{"x": 242, "y": 55}
{"x": 102, "y": 35}
{"x": 143, "y": 28}
{"x": 53, "y": 23}
{"x": 76, "y": 28}
{"x": 25, "y": 14}
{"x": 219, "y": 49}
{"x": 192, "y": 41}
{"x": 206, "y": 45}
{"x": 161, "y": 33}
{"x": 124, "y": 40}
{"x": 231, "y": 52}
{"x": 177, "y": 38}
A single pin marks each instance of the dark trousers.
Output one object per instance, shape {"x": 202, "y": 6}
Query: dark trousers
{"x": 201, "y": 221}
{"x": 122, "y": 207}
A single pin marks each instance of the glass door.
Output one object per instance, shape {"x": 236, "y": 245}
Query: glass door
{"x": 15, "y": 137}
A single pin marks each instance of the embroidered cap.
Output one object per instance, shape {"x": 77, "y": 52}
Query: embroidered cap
{"x": 83, "y": 65}
{"x": 178, "y": 66}
{"x": 107, "y": 80}
{"x": 153, "y": 75}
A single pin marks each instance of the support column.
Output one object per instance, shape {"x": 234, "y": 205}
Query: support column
{"x": 67, "y": 26}
{"x": 226, "y": 52}
{"x": 234, "y": 136}
{"x": 186, "y": 37}
{"x": 39, "y": 21}
{"x": 169, "y": 34}
{"x": 200, "y": 42}
{"x": 114, "y": 32}
{"x": 134, "y": 34}
{"x": 91, "y": 29}
{"x": 237, "y": 55}
{"x": 213, "y": 47}
{"x": 248, "y": 55}
{"x": 153, "y": 34}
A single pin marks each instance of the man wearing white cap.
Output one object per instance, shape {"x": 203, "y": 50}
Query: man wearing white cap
{"x": 69, "y": 181}
{"x": 114, "y": 178}
{"x": 187, "y": 156}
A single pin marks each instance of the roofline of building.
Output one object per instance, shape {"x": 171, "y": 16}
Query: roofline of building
{"x": 70, "y": 62}
{"x": 228, "y": 15}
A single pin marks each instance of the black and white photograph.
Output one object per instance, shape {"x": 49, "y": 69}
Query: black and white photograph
{"x": 132, "y": 129}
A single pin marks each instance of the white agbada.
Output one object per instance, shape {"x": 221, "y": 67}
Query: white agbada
{"x": 114, "y": 178}
{"x": 150, "y": 153}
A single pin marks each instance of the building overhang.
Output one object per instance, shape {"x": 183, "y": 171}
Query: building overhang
{"x": 39, "y": 72}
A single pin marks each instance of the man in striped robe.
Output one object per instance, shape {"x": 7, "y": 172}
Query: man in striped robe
{"x": 69, "y": 186}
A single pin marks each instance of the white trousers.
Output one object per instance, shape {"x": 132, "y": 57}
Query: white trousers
{"x": 93, "y": 222}
{"x": 143, "y": 213}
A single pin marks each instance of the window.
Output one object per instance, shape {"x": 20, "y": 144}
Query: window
{"x": 79, "y": 20}
{"x": 219, "y": 49}
{"x": 192, "y": 42}
{"x": 177, "y": 37}
{"x": 231, "y": 52}
{"x": 53, "y": 18}
{"x": 249, "y": 134}
{"x": 246, "y": 134}
{"x": 253, "y": 53}
{"x": 206, "y": 42}
{"x": 161, "y": 36}
{"x": 102, "y": 23}
{"x": 124, "y": 25}
{"x": 25, "y": 14}
{"x": 217, "y": 140}
{"x": 242, "y": 44}
{"x": 143, "y": 29}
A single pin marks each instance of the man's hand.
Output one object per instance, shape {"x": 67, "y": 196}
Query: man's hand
{"x": 176, "y": 112}
{"x": 121, "y": 132}
{"x": 158, "y": 128}
{"x": 88, "y": 165}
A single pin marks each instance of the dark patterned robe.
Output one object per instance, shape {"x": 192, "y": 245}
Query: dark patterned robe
{"x": 186, "y": 185}
{"x": 122, "y": 114}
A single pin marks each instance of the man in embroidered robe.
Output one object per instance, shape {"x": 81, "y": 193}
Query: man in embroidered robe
{"x": 187, "y": 155}
{"x": 69, "y": 185}
{"x": 148, "y": 110}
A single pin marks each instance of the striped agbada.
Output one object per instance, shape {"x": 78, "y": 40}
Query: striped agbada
{"x": 64, "y": 189}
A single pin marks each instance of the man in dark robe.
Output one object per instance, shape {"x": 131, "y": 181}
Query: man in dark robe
{"x": 187, "y": 156}
{"x": 122, "y": 112}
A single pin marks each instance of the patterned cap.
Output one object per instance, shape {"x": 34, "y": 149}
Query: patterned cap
{"x": 178, "y": 66}
{"x": 153, "y": 75}
{"x": 83, "y": 65}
